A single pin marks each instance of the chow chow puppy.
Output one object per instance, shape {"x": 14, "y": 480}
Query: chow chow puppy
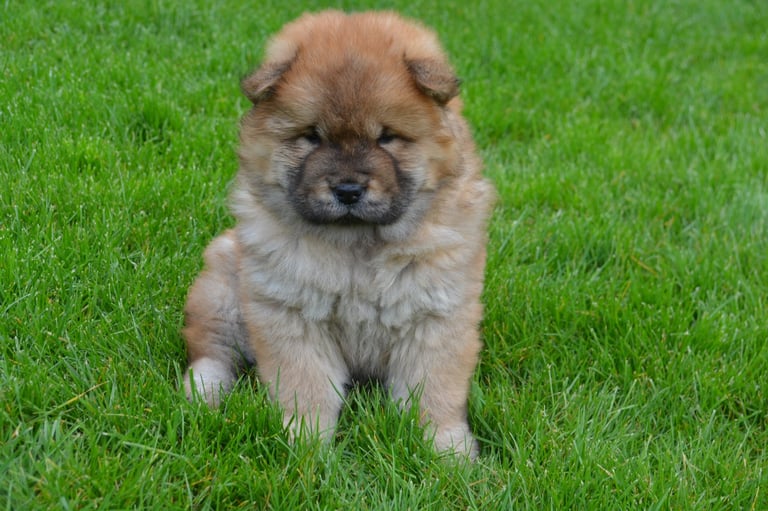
{"x": 359, "y": 247}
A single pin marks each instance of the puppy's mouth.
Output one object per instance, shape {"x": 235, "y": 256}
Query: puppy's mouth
{"x": 350, "y": 219}
{"x": 363, "y": 212}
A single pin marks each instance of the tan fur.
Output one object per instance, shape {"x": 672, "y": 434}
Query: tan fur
{"x": 359, "y": 247}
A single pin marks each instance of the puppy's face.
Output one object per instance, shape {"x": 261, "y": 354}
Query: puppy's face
{"x": 347, "y": 130}
{"x": 339, "y": 165}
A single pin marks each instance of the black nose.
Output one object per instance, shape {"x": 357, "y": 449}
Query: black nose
{"x": 348, "y": 193}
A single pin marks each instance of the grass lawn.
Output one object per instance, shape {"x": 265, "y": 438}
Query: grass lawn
{"x": 625, "y": 362}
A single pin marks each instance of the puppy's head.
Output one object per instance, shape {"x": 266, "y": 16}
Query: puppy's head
{"x": 349, "y": 124}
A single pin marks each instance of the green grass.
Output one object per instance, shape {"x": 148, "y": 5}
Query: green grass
{"x": 625, "y": 362}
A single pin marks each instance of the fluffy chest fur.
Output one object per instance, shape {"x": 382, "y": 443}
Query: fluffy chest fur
{"x": 387, "y": 285}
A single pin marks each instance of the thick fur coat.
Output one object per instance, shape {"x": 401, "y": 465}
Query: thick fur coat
{"x": 359, "y": 247}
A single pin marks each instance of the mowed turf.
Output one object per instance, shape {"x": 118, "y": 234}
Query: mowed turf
{"x": 625, "y": 362}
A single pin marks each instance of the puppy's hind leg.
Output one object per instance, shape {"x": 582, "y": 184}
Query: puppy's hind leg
{"x": 217, "y": 344}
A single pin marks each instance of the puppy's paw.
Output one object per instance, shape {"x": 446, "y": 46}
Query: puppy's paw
{"x": 457, "y": 439}
{"x": 316, "y": 426}
{"x": 208, "y": 379}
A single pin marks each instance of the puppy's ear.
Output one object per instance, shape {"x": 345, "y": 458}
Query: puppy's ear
{"x": 435, "y": 79}
{"x": 261, "y": 83}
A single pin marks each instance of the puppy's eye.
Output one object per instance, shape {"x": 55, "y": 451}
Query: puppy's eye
{"x": 312, "y": 136}
{"x": 387, "y": 137}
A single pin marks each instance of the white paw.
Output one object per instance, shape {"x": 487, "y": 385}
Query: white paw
{"x": 457, "y": 439}
{"x": 211, "y": 378}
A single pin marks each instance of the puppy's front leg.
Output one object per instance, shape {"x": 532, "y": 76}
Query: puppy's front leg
{"x": 305, "y": 374}
{"x": 437, "y": 368}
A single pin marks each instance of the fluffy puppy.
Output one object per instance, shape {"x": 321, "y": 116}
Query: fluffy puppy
{"x": 359, "y": 247}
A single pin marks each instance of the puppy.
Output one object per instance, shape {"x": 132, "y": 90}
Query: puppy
{"x": 359, "y": 247}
